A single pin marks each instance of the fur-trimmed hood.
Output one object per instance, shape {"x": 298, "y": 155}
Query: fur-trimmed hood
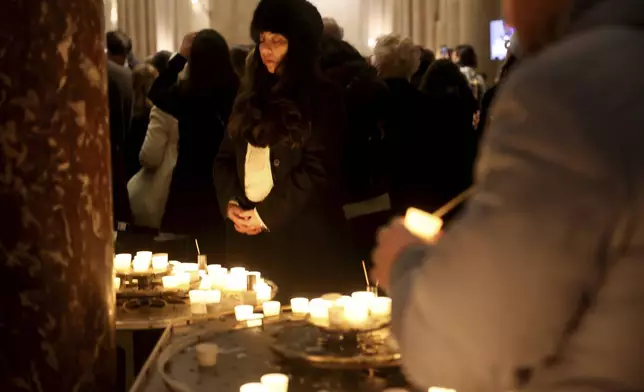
{"x": 298, "y": 20}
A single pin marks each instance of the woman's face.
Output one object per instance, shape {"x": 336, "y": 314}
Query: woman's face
{"x": 272, "y": 48}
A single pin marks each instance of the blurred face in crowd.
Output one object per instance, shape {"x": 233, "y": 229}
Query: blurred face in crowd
{"x": 538, "y": 22}
{"x": 273, "y": 48}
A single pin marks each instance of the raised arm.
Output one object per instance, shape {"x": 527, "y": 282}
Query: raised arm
{"x": 495, "y": 297}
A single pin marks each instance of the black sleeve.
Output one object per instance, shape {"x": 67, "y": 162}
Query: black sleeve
{"x": 225, "y": 174}
{"x": 163, "y": 92}
{"x": 318, "y": 170}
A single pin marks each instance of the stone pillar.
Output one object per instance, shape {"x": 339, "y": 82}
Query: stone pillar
{"x": 56, "y": 297}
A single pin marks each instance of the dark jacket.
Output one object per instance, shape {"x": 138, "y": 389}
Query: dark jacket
{"x": 303, "y": 210}
{"x": 120, "y": 95}
{"x": 192, "y": 203}
{"x": 538, "y": 285}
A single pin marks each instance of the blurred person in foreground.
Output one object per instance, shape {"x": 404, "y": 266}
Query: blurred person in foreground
{"x": 537, "y": 285}
{"x": 332, "y": 29}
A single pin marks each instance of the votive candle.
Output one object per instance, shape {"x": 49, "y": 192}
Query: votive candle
{"x": 271, "y": 308}
{"x": 381, "y": 307}
{"x": 198, "y": 302}
{"x": 263, "y": 292}
{"x": 146, "y": 254}
{"x": 207, "y": 354}
{"x": 141, "y": 264}
{"x": 255, "y": 320}
{"x": 238, "y": 270}
{"x": 183, "y": 280}
{"x": 422, "y": 224}
{"x": 275, "y": 382}
{"x": 123, "y": 262}
{"x": 253, "y": 387}
{"x": 212, "y": 296}
{"x": 206, "y": 283}
{"x": 300, "y": 305}
{"x": 160, "y": 262}
{"x": 170, "y": 282}
{"x": 364, "y": 296}
{"x": 356, "y": 313}
{"x": 117, "y": 283}
{"x": 319, "y": 309}
{"x": 236, "y": 281}
{"x": 243, "y": 312}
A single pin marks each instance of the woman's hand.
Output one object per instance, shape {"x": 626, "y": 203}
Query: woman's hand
{"x": 252, "y": 220}
{"x": 186, "y": 44}
{"x": 242, "y": 223}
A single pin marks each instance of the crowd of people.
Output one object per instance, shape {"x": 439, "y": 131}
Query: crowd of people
{"x": 286, "y": 155}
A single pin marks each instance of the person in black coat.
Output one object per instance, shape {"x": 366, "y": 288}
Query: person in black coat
{"x": 277, "y": 171}
{"x": 202, "y": 104}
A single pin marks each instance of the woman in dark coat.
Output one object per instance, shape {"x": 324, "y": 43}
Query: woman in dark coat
{"x": 277, "y": 171}
{"x": 201, "y": 103}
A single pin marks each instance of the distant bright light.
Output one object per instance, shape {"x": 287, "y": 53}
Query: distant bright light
{"x": 114, "y": 15}
{"x": 194, "y": 2}
{"x": 372, "y": 42}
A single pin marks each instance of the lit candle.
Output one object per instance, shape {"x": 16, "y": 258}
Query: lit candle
{"x": 243, "y": 312}
{"x": 212, "y": 296}
{"x": 342, "y": 301}
{"x": 206, "y": 283}
{"x": 331, "y": 297}
{"x": 336, "y": 316}
{"x": 198, "y": 302}
{"x": 319, "y": 309}
{"x": 236, "y": 281}
{"x": 263, "y": 292}
{"x": 238, "y": 270}
{"x": 144, "y": 254}
{"x": 122, "y": 262}
{"x": 117, "y": 283}
{"x": 300, "y": 306}
{"x": 207, "y": 354}
{"x": 271, "y": 308}
{"x": 160, "y": 262}
{"x": 356, "y": 313}
{"x": 275, "y": 382}
{"x": 439, "y": 389}
{"x": 381, "y": 307}
{"x": 253, "y": 387}
{"x": 213, "y": 268}
{"x": 141, "y": 264}
{"x": 183, "y": 280}
{"x": 170, "y": 282}
{"x": 218, "y": 276}
{"x": 255, "y": 320}
{"x": 422, "y": 224}
{"x": 364, "y": 296}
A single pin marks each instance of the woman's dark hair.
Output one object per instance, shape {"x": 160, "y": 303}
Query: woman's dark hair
{"x": 427, "y": 57}
{"x": 467, "y": 56}
{"x": 444, "y": 78}
{"x": 209, "y": 65}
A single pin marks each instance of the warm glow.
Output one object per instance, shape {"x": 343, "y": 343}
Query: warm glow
{"x": 271, "y": 308}
{"x": 243, "y": 312}
{"x": 356, "y": 313}
{"x": 253, "y": 387}
{"x": 423, "y": 224}
{"x": 299, "y": 305}
{"x": 170, "y": 282}
{"x": 275, "y": 382}
{"x": 319, "y": 309}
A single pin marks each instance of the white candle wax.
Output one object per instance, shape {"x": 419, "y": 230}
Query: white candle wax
{"x": 117, "y": 283}
{"x": 263, "y": 292}
{"x": 422, "y": 224}
{"x": 122, "y": 262}
{"x": 198, "y": 302}
{"x": 253, "y": 387}
{"x": 363, "y": 296}
{"x": 319, "y": 309}
{"x": 342, "y": 300}
{"x": 207, "y": 354}
{"x": 213, "y": 268}
{"x": 141, "y": 264}
{"x": 255, "y": 320}
{"x": 271, "y": 308}
{"x": 238, "y": 270}
{"x": 336, "y": 316}
{"x": 212, "y": 296}
{"x": 160, "y": 262}
{"x": 170, "y": 282}
{"x": 183, "y": 280}
{"x": 145, "y": 254}
{"x": 439, "y": 389}
{"x": 206, "y": 283}
{"x": 356, "y": 313}
{"x": 381, "y": 307}
{"x": 275, "y": 382}
{"x": 218, "y": 277}
{"x": 192, "y": 269}
{"x": 300, "y": 306}
{"x": 243, "y": 312}
{"x": 331, "y": 297}
{"x": 236, "y": 281}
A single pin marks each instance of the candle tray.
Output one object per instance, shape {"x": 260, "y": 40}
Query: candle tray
{"x": 372, "y": 326}
{"x": 149, "y": 274}
{"x": 245, "y": 354}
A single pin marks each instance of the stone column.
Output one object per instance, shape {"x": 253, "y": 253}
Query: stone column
{"x": 56, "y": 297}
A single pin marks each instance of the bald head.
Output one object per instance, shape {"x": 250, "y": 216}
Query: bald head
{"x": 538, "y": 22}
